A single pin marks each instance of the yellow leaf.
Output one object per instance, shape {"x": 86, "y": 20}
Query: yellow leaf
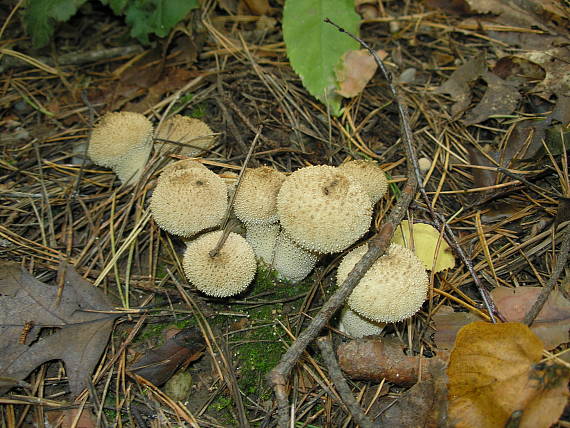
{"x": 494, "y": 376}
{"x": 425, "y": 241}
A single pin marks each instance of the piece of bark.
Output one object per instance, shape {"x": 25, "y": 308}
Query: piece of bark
{"x": 377, "y": 359}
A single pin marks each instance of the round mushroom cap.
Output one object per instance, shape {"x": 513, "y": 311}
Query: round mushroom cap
{"x": 194, "y": 135}
{"x": 322, "y": 209}
{"x": 226, "y": 274}
{"x": 116, "y": 135}
{"x": 291, "y": 261}
{"x": 393, "y": 289}
{"x": 130, "y": 168}
{"x": 262, "y": 238}
{"x": 182, "y": 165}
{"x": 256, "y": 199}
{"x": 357, "y": 326}
{"x": 188, "y": 200}
{"x": 370, "y": 176}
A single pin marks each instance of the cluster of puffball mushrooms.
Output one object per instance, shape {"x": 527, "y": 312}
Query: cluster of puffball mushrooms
{"x": 290, "y": 220}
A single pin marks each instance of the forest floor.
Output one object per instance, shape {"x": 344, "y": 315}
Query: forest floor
{"x": 494, "y": 136}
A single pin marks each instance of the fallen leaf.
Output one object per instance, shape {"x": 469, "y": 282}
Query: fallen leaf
{"x": 494, "y": 373}
{"x": 66, "y": 418}
{"x": 447, "y": 325}
{"x": 79, "y": 340}
{"x": 551, "y": 324}
{"x": 423, "y": 405}
{"x": 377, "y": 359}
{"x": 356, "y": 70}
{"x": 425, "y": 243}
{"x": 556, "y": 64}
{"x": 158, "y": 364}
{"x": 258, "y": 7}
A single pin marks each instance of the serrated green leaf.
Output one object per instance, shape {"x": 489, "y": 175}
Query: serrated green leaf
{"x": 315, "y": 48}
{"x": 156, "y": 16}
{"x": 40, "y": 17}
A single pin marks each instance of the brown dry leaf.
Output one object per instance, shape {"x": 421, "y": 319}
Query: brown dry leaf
{"x": 376, "y": 359}
{"x": 447, "y": 324}
{"x": 357, "y": 69}
{"x": 81, "y": 336}
{"x": 556, "y": 64}
{"x": 493, "y": 374}
{"x": 553, "y": 321}
{"x": 158, "y": 364}
{"x": 423, "y": 405}
{"x": 66, "y": 418}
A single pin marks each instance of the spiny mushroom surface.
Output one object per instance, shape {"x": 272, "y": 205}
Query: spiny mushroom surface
{"x": 357, "y": 326}
{"x": 188, "y": 199}
{"x": 228, "y": 273}
{"x": 370, "y": 176}
{"x": 256, "y": 199}
{"x": 262, "y": 238}
{"x": 193, "y": 135}
{"x": 322, "y": 209}
{"x": 291, "y": 261}
{"x": 122, "y": 141}
{"x": 393, "y": 289}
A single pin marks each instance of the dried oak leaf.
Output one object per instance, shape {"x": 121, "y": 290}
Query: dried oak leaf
{"x": 158, "y": 364}
{"x": 553, "y": 321}
{"x": 495, "y": 375}
{"x": 81, "y": 334}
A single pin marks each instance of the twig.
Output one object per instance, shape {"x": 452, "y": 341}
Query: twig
{"x": 376, "y": 247}
{"x": 547, "y": 289}
{"x": 224, "y": 227}
{"x": 341, "y": 385}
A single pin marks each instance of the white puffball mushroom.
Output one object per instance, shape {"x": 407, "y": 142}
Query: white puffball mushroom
{"x": 122, "y": 141}
{"x": 322, "y": 209}
{"x": 291, "y": 261}
{"x": 256, "y": 198}
{"x": 370, "y": 176}
{"x": 357, "y": 326}
{"x": 193, "y": 135}
{"x": 262, "y": 238}
{"x": 424, "y": 164}
{"x": 393, "y": 289}
{"x": 188, "y": 199}
{"x": 228, "y": 273}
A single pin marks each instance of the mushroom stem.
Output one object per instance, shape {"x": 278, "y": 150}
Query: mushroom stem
{"x": 224, "y": 235}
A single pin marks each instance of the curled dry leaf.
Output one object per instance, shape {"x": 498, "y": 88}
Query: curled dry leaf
{"x": 356, "y": 70}
{"x": 553, "y": 321}
{"x": 494, "y": 374}
{"x": 377, "y": 359}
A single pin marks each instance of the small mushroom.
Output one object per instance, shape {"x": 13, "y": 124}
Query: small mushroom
{"x": 226, "y": 274}
{"x": 256, "y": 199}
{"x": 122, "y": 141}
{"x": 192, "y": 134}
{"x": 369, "y": 175}
{"x": 357, "y": 326}
{"x": 188, "y": 199}
{"x": 322, "y": 209}
{"x": 262, "y": 238}
{"x": 291, "y": 261}
{"x": 393, "y": 289}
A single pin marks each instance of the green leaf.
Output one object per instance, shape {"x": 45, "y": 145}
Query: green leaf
{"x": 118, "y": 6}
{"x": 40, "y": 17}
{"x": 315, "y": 48}
{"x": 156, "y": 16}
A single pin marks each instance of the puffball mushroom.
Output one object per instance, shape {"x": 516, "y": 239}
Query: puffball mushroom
{"x": 188, "y": 199}
{"x": 228, "y": 273}
{"x": 194, "y": 135}
{"x": 322, "y": 209}
{"x": 291, "y": 261}
{"x": 262, "y": 238}
{"x": 393, "y": 289}
{"x": 256, "y": 199}
{"x": 356, "y": 325}
{"x": 122, "y": 141}
{"x": 370, "y": 176}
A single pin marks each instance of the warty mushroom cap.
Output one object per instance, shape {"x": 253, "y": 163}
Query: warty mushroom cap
{"x": 194, "y": 135}
{"x": 256, "y": 198}
{"x": 356, "y": 325}
{"x": 393, "y": 289}
{"x": 291, "y": 261}
{"x": 322, "y": 209}
{"x": 123, "y": 142}
{"x": 188, "y": 200}
{"x": 262, "y": 238}
{"x": 370, "y": 176}
{"x": 228, "y": 273}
